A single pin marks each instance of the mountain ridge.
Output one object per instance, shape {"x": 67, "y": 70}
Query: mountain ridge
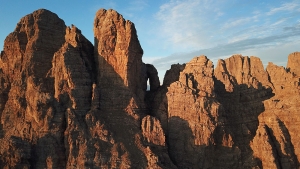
{"x": 66, "y": 103}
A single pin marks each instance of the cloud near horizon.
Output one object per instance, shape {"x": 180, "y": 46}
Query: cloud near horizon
{"x": 220, "y": 29}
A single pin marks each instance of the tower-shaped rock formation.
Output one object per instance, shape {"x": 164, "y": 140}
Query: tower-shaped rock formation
{"x": 121, "y": 77}
{"x": 30, "y": 115}
{"x": 193, "y": 115}
{"x": 119, "y": 59}
{"x": 47, "y": 75}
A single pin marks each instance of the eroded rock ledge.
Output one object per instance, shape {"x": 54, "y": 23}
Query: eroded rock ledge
{"x": 66, "y": 103}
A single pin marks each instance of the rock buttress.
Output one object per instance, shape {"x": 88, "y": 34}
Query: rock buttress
{"x": 260, "y": 111}
{"x": 28, "y": 117}
{"x": 121, "y": 85}
{"x": 47, "y": 76}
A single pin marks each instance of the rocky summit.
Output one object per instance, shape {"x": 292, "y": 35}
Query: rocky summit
{"x": 68, "y": 103}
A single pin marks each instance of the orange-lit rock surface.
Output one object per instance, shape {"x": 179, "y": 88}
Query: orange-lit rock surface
{"x": 66, "y": 103}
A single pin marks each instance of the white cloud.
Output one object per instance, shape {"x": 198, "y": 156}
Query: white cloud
{"x": 284, "y": 7}
{"x": 239, "y": 22}
{"x": 150, "y": 60}
{"x": 195, "y": 27}
{"x": 279, "y": 22}
{"x": 276, "y": 46}
{"x": 185, "y": 24}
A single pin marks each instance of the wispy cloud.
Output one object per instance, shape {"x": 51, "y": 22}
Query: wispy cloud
{"x": 243, "y": 46}
{"x": 279, "y": 22}
{"x": 240, "y": 21}
{"x": 184, "y": 23}
{"x": 290, "y": 6}
{"x": 219, "y": 29}
{"x": 150, "y": 60}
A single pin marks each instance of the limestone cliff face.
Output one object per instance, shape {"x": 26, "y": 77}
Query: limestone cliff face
{"x": 238, "y": 115}
{"x": 241, "y": 86}
{"x": 118, "y": 54}
{"x": 259, "y": 107}
{"x": 31, "y": 117}
{"x": 66, "y": 103}
{"x": 120, "y": 80}
{"x": 280, "y": 119}
{"x": 194, "y": 115}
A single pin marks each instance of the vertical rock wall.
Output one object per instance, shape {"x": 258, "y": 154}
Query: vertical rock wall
{"x": 32, "y": 122}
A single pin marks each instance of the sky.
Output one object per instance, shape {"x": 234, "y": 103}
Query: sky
{"x": 175, "y": 31}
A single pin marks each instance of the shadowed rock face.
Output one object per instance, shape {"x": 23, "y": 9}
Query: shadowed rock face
{"x": 65, "y": 103}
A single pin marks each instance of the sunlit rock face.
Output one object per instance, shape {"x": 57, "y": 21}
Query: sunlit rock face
{"x": 236, "y": 115}
{"x": 66, "y": 103}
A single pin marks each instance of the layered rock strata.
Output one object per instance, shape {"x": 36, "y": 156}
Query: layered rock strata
{"x": 66, "y": 103}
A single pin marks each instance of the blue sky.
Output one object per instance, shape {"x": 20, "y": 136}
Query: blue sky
{"x": 175, "y": 31}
